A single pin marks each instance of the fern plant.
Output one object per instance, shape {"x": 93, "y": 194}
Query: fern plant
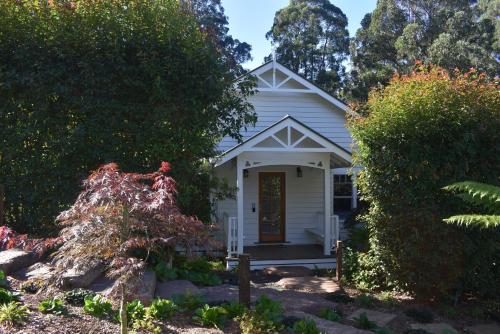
{"x": 481, "y": 195}
{"x": 13, "y": 313}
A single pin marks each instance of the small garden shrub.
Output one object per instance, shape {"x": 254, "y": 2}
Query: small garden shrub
{"x": 97, "y": 306}
{"x": 148, "y": 325}
{"x": 77, "y": 297}
{"x": 363, "y": 322}
{"x": 234, "y": 309}
{"x": 266, "y": 317}
{"x": 164, "y": 273}
{"x": 52, "y": 306}
{"x": 330, "y": 314}
{"x": 161, "y": 309}
{"x": 199, "y": 271}
{"x": 3, "y": 280}
{"x": 188, "y": 301}
{"x": 32, "y": 286}
{"x": 135, "y": 311}
{"x": 365, "y": 300}
{"x": 387, "y": 298}
{"x": 305, "y": 326}
{"x": 421, "y": 315}
{"x": 213, "y": 316}
{"x": 6, "y": 296}
{"x": 13, "y": 313}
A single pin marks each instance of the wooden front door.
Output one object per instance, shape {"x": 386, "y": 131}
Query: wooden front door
{"x": 272, "y": 207}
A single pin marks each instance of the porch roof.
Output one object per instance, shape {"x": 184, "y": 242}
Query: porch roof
{"x": 286, "y": 135}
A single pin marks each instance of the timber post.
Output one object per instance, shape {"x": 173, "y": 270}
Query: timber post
{"x": 339, "y": 260}
{"x": 244, "y": 279}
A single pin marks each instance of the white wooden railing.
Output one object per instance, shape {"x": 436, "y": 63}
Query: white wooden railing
{"x": 232, "y": 236}
{"x": 334, "y": 230}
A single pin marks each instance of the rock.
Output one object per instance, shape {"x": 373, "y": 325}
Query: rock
{"x": 224, "y": 292}
{"x": 484, "y": 329}
{"x": 330, "y": 327}
{"x": 288, "y": 271}
{"x": 102, "y": 285}
{"x": 38, "y": 271}
{"x": 438, "y": 328}
{"x": 380, "y": 318}
{"x": 167, "y": 289}
{"x": 146, "y": 290}
{"x": 309, "y": 284}
{"x": 12, "y": 260}
{"x": 82, "y": 278}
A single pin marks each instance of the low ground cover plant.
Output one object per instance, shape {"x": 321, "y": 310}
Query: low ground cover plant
{"x": 3, "y": 280}
{"x": 52, "y": 306}
{"x": 13, "y": 313}
{"x": 266, "y": 317}
{"x": 135, "y": 311}
{"x": 330, "y": 314}
{"x": 77, "y": 297}
{"x": 6, "y": 296}
{"x": 199, "y": 271}
{"x": 213, "y": 316}
{"x": 234, "y": 309}
{"x": 97, "y": 306}
{"x": 161, "y": 309}
{"x": 305, "y": 326}
{"x": 188, "y": 301}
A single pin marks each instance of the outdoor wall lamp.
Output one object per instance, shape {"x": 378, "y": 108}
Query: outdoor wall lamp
{"x": 245, "y": 173}
{"x": 299, "y": 172}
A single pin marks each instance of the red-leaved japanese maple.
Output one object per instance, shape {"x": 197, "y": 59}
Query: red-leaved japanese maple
{"x": 118, "y": 214}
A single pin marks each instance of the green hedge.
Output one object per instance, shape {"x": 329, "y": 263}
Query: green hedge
{"x": 422, "y": 132}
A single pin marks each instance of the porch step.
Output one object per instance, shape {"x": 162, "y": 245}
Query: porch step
{"x": 324, "y": 263}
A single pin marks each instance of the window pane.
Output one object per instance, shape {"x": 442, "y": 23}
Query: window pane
{"x": 341, "y": 204}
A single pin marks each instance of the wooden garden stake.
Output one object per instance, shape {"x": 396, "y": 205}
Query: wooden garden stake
{"x": 244, "y": 279}
{"x": 339, "y": 260}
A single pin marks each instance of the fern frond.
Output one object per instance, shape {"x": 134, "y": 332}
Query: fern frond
{"x": 479, "y": 194}
{"x": 480, "y": 221}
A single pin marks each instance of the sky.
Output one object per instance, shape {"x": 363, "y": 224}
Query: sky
{"x": 250, "y": 20}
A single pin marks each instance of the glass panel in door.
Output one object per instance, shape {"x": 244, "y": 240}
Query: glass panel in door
{"x": 272, "y": 207}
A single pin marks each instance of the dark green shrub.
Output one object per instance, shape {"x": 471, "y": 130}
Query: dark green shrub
{"x": 6, "y": 296}
{"x": 269, "y": 309}
{"x": 423, "y": 132}
{"x": 164, "y": 273}
{"x": 305, "y": 326}
{"x": 213, "y": 316}
{"x": 188, "y": 301}
{"x": 77, "y": 297}
{"x": 363, "y": 322}
{"x": 52, "y": 306}
{"x": 97, "y": 306}
{"x": 161, "y": 309}
{"x": 135, "y": 311}
{"x": 422, "y": 315}
{"x": 330, "y": 314}
{"x": 234, "y": 309}
{"x": 266, "y": 317}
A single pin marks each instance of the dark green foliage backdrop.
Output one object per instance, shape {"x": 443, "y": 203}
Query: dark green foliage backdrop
{"x": 423, "y": 132}
{"x": 135, "y": 82}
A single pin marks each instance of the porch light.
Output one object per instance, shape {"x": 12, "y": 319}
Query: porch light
{"x": 245, "y": 173}
{"x": 299, "y": 172}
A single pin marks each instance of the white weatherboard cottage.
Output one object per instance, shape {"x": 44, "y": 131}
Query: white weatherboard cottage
{"x": 291, "y": 174}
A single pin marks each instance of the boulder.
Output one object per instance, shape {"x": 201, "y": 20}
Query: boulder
{"x": 167, "y": 289}
{"x": 38, "y": 271}
{"x": 437, "y": 328}
{"x": 142, "y": 290}
{"x": 82, "y": 278}
{"x": 380, "y": 318}
{"x": 146, "y": 289}
{"x": 484, "y": 329}
{"x": 12, "y": 260}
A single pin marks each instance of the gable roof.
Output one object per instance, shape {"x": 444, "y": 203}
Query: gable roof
{"x": 291, "y": 76}
{"x": 298, "y": 138}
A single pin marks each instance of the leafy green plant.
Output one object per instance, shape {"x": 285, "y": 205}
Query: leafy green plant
{"x": 147, "y": 324}
{"x": 77, "y": 296}
{"x": 164, "y": 273}
{"x": 234, "y": 309}
{"x": 363, "y": 322}
{"x": 365, "y": 300}
{"x": 478, "y": 194}
{"x": 97, "y": 306}
{"x": 217, "y": 265}
{"x": 214, "y": 316}
{"x": 52, "y": 306}
{"x": 3, "y": 280}
{"x": 266, "y": 317}
{"x": 269, "y": 309}
{"x": 13, "y": 313}
{"x": 330, "y": 314}
{"x": 387, "y": 298}
{"x": 421, "y": 315}
{"x": 305, "y": 326}
{"x": 188, "y": 301}
{"x": 135, "y": 311}
{"x": 6, "y": 296}
{"x": 161, "y": 309}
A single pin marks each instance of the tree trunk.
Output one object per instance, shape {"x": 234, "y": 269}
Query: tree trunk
{"x": 123, "y": 311}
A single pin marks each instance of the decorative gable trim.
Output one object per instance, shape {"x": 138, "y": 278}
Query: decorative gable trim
{"x": 287, "y": 135}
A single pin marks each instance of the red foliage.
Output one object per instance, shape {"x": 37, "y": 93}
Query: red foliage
{"x": 10, "y": 239}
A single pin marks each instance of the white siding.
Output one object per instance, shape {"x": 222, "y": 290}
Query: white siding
{"x": 304, "y": 199}
{"x": 308, "y": 108}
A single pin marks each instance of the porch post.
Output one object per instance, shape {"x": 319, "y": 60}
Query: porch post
{"x": 239, "y": 200}
{"x": 327, "y": 246}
